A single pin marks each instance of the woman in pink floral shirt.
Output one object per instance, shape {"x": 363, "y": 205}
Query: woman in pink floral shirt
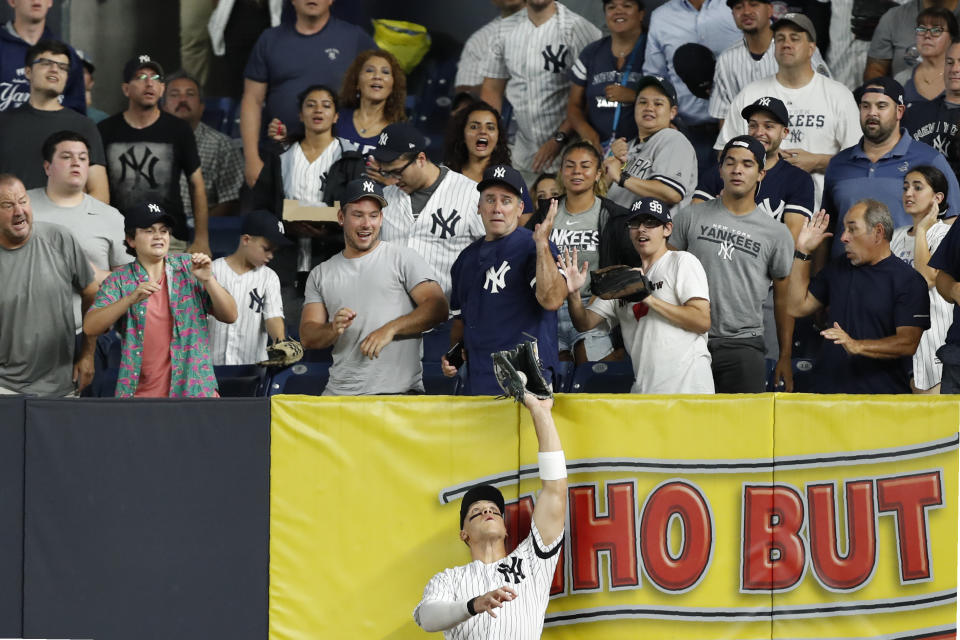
{"x": 162, "y": 302}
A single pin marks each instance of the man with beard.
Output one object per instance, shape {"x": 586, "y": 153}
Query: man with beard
{"x": 220, "y": 160}
{"x": 875, "y": 167}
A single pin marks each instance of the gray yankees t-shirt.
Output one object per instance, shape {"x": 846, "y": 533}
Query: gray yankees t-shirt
{"x": 377, "y": 287}
{"x": 37, "y": 327}
{"x": 579, "y": 231}
{"x": 741, "y": 255}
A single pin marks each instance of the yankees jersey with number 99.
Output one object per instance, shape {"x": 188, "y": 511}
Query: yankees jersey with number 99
{"x": 447, "y": 224}
{"x": 257, "y": 293}
{"x": 528, "y": 570}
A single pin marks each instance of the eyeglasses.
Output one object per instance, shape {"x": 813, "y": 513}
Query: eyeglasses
{"x": 646, "y": 223}
{"x": 933, "y": 31}
{"x": 49, "y": 64}
{"x": 143, "y": 77}
{"x": 396, "y": 173}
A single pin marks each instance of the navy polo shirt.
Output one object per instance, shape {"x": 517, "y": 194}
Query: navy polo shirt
{"x": 493, "y": 293}
{"x": 596, "y": 68}
{"x": 947, "y": 259}
{"x": 289, "y": 62}
{"x": 784, "y": 189}
{"x": 851, "y": 177}
{"x": 869, "y": 302}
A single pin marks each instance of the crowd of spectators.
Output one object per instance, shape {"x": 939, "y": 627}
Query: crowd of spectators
{"x": 714, "y": 151}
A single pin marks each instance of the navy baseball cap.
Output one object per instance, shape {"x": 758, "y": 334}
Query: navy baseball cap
{"x": 651, "y": 207}
{"x": 798, "y": 20}
{"x": 140, "y": 62}
{"x": 363, "y": 187}
{"x": 265, "y": 224}
{"x": 396, "y": 139}
{"x": 480, "y": 492}
{"x": 885, "y": 85}
{"x": 750, "y": 144}
{"x": 503, "y": 174}
{"x": 695, "y": 64}
{"x": 146, "y": 214}
{"x": 771, "y": 105}
{"x": 661, "y": 83}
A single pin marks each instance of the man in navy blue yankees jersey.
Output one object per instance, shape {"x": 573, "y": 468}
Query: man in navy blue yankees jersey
{"x": 500, "y": 595}
{"x": 506, "y": 286}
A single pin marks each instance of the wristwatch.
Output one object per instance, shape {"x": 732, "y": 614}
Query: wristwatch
{"x": 801, "y": 256}
{"x": 560, "y": 137}
{"x": 623, "y": 179}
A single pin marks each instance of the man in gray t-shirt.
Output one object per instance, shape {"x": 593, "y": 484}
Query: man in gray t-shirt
{"x": 743, "y": 250}
{"x": 372, "y": 302}
{"x": 98, "y": 227}
{"x": 42, "y": 265}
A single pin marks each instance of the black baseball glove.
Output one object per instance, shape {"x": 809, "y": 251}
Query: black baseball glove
{"x": 519, "y": 370}
{"x": 283, "y": 353}
{"x": 619, "y": 282}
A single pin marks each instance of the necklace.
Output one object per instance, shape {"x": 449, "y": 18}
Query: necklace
{"x": 361, "y": 128}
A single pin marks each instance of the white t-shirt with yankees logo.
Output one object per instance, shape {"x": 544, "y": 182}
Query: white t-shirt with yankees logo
{"x": 824, "y": 118}
{"x": 447, "y": 224}
{"x": 528, "y": 570}
{"x": 666, "y": 358}
{"x": 257, "y": 293}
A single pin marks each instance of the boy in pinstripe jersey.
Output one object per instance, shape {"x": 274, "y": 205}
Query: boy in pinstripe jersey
{"x": 512, "y": 589}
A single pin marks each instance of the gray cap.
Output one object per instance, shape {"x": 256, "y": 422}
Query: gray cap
{"x": 798, "y": 20}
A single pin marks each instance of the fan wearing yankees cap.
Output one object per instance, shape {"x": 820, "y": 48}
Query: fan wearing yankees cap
{"x": 255, "y": 287}
{"x": 666, "y": 331}
{"x": 501, "y": 595}
{"x": 371, "y": 302}
{"x": 506, "y": 285}
{"x": 823, "y": 118}
{"x": 876, "y": 166}
{"x": 786, "y": 192}
{"x": 430, "y": 208}
{"x": 161, "y": 301}
{"x": 742, "y": 250}
{"x": 660, "y": 162}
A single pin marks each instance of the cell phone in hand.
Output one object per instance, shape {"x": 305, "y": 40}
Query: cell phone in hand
{"x": 455, "y": 355}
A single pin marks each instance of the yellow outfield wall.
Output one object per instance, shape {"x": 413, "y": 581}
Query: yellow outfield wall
{"x": 689, "y": 518}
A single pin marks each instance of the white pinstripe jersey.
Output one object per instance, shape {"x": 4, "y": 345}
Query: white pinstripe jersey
{"x": 528, "y": 570}
{"x": 736, "y": 68}
{"x": 535, "y": 61}
{"x": 304, "y": 180}
{"x": 257, "y": 293}
{"x": 666, "y": 156}
{"x": 927, "y": 368}
{"x": 447, "y": 224}
{"x": 474, "y": 56}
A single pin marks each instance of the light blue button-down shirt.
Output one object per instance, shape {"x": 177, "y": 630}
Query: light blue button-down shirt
{"x": 676, "y": 23}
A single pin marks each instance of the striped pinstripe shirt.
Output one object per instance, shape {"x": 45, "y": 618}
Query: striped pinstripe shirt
{"x": 528, "y": 569}
{"x": 535, "y": 61}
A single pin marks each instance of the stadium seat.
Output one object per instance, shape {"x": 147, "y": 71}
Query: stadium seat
{"x": 437, "y": 384}
{"x": 221, "y": 114}
{"x": 105, "y": 383}
{"x": 317, "y": 355}
{"x": 431, "y": 109}
{"x": 563, "y": 377}
{"x": 305, "y": 378}
{"x": 603, "y": 377}
{"x": 224, "y": 234}
{"x": 241, "y": 381}
{"x": 803, "y": 375}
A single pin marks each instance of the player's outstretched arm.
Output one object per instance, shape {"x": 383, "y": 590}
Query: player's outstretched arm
{"x": 550, "y": 512}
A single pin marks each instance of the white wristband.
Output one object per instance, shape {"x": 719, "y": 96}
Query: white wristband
{"x": 553, "y": 465}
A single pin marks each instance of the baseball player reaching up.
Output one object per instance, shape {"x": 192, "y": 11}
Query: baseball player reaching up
{"x": 501, "y": 596}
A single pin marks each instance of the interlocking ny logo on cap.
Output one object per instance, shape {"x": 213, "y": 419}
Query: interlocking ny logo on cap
{"x": 383, "y": 139}
{"x": 764, "y": 102}
{"x": 368, "y": 187}
{"x": 499, "y": 172}
{"x": 637, "y": 205}
{"x": 144, "y": 59}
{"x": 153, "y": 208}
{"x": 280, "y": 226}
